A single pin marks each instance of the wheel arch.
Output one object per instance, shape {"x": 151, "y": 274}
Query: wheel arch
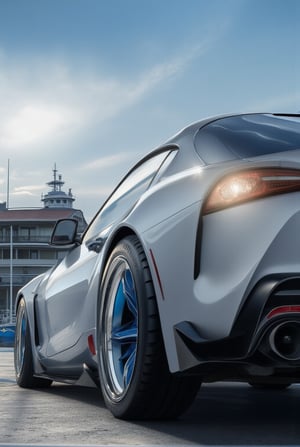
{"x": 122, "y": 233}
{"x": 119, "y": 235}
{"x": 174, "y": 348}
{"x": 28, "y": 294}
{"x": 18, "y": 299}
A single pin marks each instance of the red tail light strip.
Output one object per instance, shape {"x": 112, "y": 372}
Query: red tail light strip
{"x": 91, "y": 345}
{"x": 283, "y": 310}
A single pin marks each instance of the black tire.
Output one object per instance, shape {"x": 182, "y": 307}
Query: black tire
{"x": 23, "y": 353}
{"x": 134, "y": 374}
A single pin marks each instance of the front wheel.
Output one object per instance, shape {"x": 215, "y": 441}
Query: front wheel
{"x": 23, "y": 352}
{"x": 134, "y": 375}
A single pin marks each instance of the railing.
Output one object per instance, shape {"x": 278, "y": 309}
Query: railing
{"x": 25, "y": 239}
{"x": 17, "y": 279}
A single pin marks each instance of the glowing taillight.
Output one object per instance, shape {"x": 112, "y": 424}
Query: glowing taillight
{"x": 283, "y": 310}
{"x": 244, "y": 186}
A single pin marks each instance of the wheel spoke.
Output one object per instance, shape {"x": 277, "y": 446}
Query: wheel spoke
{"x": 121, "y": 328}
{"x": 125, "y": 334}
{"x": 129, "y": 292}
{"x": 128, "y": 368}
{"x": 126, "y": 339}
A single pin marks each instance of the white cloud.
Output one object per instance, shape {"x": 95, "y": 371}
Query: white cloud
{"x": 33, "y": 123}
{"x": 48, "y": 108}
{"x": 42, "y": 101}
{"x": 30, "y": 192}
{"x": 106, "y": 162}
{"x": 30, "y": 188}
{"x": 22, "y": 193}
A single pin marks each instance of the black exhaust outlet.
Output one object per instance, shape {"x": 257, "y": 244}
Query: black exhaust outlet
{"x": 284, "y": 340}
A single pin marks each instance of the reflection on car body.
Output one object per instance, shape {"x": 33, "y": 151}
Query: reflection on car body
{"x": 190, "y": 272}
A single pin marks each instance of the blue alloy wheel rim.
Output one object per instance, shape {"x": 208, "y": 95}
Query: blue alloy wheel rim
{"x": 122, "y": 325}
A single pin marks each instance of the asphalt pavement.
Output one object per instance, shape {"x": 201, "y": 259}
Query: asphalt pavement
{"x": 223, "y": 415}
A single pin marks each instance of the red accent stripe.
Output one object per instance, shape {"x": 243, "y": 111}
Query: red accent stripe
{"x": 283, "y": 310}
{"x": 91, "y": 344}
{"x": 157, "y": 274}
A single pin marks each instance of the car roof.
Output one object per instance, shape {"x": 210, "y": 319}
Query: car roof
{"x": 190, "y": 130}
{"x": 187, "y": 135}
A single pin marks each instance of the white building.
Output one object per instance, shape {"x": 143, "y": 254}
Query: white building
{"x": 24, "y": 237}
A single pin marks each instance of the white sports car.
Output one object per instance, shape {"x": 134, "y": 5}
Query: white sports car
{"x": 189, "y": 273}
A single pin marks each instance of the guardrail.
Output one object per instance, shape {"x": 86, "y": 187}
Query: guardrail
{"x": 24, "y": 239}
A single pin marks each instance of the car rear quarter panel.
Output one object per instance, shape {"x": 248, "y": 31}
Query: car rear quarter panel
{"x": 239, "y": 246}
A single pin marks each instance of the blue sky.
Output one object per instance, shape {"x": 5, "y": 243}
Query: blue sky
{"x": 93, "y": 85}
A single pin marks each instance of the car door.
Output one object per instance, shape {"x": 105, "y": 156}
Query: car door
{"x": 62, "y": 303}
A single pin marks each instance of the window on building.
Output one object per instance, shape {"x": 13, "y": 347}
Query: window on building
{"x": 34, "y": 254}
{"x": 6, "y": 253}
{"x": 23, "y": 253}
{"x": 47, "y": 254}
{"x": 5, "y": 233}
{"x": 27, "y": 233}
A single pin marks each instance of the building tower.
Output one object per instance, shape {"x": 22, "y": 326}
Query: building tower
{"x": 56, "y": 198}
{"x": 24, "y": 242}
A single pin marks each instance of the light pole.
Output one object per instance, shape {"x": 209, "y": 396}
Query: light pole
{"x": 11, "y": 276}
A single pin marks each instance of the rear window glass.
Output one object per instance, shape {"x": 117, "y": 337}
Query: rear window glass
{"x": 247, "y": 136}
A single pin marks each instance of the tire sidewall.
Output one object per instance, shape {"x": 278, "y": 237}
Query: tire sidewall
{"x": 127, "y": 251}
{"x": 24, "y": 372}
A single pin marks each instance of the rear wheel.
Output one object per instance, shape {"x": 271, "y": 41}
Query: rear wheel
{"x": 134, "y": 375}
{"x": 23, "y": 352}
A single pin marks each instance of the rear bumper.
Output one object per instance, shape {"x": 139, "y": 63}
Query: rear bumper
{"x": 250, "y": 345}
